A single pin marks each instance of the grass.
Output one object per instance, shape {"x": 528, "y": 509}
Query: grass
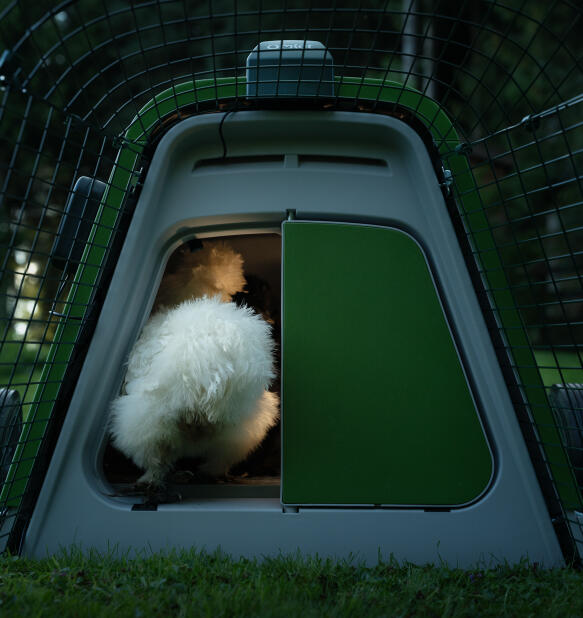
{"x": 559, "y": 367}
{"x": 21, "y": 366}
{"x": 191, "y": 583}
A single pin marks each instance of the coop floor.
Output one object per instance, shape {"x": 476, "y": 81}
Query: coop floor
{"x": 252, "y": 478}
{"x": 256, "y": 487}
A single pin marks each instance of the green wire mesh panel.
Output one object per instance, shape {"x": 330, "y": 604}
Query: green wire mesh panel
{"x": 520, "y": 205}
{"x": 75, "y": 75}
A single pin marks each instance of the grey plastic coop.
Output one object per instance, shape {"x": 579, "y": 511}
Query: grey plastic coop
{"x": 420, "y": 415}
{"x": 398, "y": 433}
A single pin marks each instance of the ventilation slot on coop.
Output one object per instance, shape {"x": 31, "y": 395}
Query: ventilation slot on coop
{"x": 331, "y": 160}
{"x": 263, "y": 160}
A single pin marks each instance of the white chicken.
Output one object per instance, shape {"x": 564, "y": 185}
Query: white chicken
{"x": 197, "y": 377}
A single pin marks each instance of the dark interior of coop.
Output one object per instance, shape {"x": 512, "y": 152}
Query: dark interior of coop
{"x": 259, "y": 474}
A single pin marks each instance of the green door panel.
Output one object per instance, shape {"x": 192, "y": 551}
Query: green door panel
{"x": 376, "y": 407}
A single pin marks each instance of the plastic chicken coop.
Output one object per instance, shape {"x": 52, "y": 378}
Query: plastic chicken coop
{"x": 403, "y": 182}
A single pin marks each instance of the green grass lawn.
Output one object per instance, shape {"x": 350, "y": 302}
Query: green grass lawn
{"x": 197, "y": 584}
{"x": 559, "y": 367}
{"x": 21, "y": 366}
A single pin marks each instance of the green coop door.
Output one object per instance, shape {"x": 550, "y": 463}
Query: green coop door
{"x": 376, "y": 406}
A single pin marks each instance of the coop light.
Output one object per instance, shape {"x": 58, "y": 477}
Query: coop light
{"x": 290, "y": 69}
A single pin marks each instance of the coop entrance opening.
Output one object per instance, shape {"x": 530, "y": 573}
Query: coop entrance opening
{"x": 237, "y": 271}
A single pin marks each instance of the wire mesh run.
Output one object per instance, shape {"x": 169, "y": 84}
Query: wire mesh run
{"x": 525, "y": 237}
{"x": 87, "y": 88}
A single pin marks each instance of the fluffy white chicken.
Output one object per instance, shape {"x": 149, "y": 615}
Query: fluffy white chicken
{"x": 197, "y": 377}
